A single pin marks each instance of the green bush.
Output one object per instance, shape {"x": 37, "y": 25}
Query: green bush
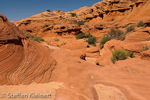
{"x": 130, "y": 28}
{"x": 73, "y": 14}
{"x": 120, "y": 55}
{"x": 82, "y": 35}
{"x": 140, "y": 24}
{"x": 103, "y": 40}
{"x": 91, "y": 40}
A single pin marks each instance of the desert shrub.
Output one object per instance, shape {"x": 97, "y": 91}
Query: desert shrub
{"x": 87, "y": 35}
{"x": 120, "y": 55}
{"x": 73, "y": 14}
{"x": 64, "y": 43}
{"x": 112, "y": 33}
{"x": 38, "y": 39}
{"x": 101, "y": 25}
{"x": 81, "y": 22}
{"x": 75, "y": 22}
{"x": 48, "y": 10}
{"x": 91, "y": 40}
{"x": 103, "y": 40}
{"x": 140, "y": 24}
{"x": 82, "y": 35}
{"x": 130, "y": 28}
{"x": 116, "y": 34}
{"x": 130, "y": 54}
{"x": 120, "y": 35}
{"x": 56, "y": 39}
{"x": 35, "y": 38}
{"x": 145, "y": 48}
{"x": 94, "y": 44}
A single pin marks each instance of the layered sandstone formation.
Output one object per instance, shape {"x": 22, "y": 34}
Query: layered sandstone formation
{"x": 22, "y": 60}
{"x": 100, "y": 18}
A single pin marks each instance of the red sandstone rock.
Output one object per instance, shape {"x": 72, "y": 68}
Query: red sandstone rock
{"x": 31, "y": 62}
{"x": 73, "y": 71}
{"x": 22, "y": 60}
{"x": 146, "y": 55}
{"x": 137, "y": 36}
{"x": 92, "y": 49}
{"x": 112, "y": 45}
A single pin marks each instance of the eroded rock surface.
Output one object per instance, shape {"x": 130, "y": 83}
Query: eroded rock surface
{"x": 22, "y": 60}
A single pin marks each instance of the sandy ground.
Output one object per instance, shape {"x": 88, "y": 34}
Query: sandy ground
{"x": 109, "y": 93}
{"x": 91, "y": 60}
{"x": 30, "y": 92}
{"x": 48, "y": 92}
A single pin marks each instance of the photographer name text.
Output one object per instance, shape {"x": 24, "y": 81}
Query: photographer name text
{"x": 30, "y": 95}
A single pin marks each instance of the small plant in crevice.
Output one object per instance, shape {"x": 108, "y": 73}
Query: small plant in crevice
{"x": 35, "y": 38}
{"x": 145, "y": 48}
{"x": 38, "y": 39}
{"x": 56, "y": 39}
{"x": 120, "y": 55}
{"x": 48, "y": 43}
{"x": 140, "y": 24}
{"x": 130, "y": 28}
{"x": 101, "y": 25}
{"x": 64, "y": 43}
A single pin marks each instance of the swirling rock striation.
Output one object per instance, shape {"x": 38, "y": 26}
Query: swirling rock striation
{"x": 22, "y": 60}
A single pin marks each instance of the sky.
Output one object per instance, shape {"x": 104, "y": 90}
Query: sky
{"x": 15, "y": 10}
